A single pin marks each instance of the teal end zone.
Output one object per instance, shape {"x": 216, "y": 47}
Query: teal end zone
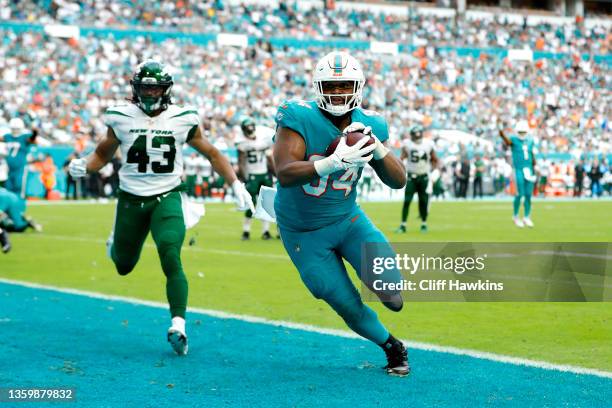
{"x": 115, "y": 354}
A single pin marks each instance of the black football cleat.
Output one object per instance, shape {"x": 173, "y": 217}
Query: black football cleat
{"x": 266, "y": 236}
{"x": 397, "y": 358}
{"x": 246, "y": 236}
{"x": 5, "y": 244}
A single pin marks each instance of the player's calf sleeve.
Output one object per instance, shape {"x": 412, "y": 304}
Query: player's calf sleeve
{"x": 177, "y": 290}
{"x": 423, "y": 203}
{"x": 169, "y": 250}
{"x": 394, "y": 303}
{"x": 516, "y": 205}
{"x": 362, "y": 320}
{"x": 405, "y": 209}
{"x": 527, "y": 205}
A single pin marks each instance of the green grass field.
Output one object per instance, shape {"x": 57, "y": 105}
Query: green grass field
{"x": 257, "y": 278}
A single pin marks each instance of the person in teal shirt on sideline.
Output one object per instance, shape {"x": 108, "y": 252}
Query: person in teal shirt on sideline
{"x": 523, "y": 161}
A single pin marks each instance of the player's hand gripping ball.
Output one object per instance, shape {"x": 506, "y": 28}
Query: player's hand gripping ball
{"x": 351, "y": 139}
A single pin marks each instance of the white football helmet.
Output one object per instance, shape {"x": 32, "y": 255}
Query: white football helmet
{"x": 522, "y": 127}
{"x": 338, "y": 66}
{"x": 17, "y": 126}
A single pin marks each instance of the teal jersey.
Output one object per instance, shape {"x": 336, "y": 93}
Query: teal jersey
{"x": 522, "y": 152}
{"x": 18, "y": 148}
{"x": 329, "y": 199}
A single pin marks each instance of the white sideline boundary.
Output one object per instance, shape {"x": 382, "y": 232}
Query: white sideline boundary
{"x": 321, "y": 330}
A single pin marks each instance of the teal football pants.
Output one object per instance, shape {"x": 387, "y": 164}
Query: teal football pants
{"x": 524, "y": 189}
{"x": 318, "y": 257}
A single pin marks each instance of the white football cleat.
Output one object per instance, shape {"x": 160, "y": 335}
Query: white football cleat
{"x": 518, "y": 222}
{"x": 527, "y": 221}
{"x": 109, "y": 245}
{"x": 178, "y": 340}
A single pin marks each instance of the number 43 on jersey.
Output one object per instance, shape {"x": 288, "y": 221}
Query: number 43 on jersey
{"x": 138, "y": 154}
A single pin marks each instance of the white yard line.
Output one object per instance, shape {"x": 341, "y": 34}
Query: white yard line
{"x": 332, "y": 332}
{"x": 185, "y": 247}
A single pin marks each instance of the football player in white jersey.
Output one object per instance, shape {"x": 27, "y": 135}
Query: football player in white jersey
{"x": 419, "y": 154}
{"x": 253, "y": 167}
{"x": 151, "y": 133}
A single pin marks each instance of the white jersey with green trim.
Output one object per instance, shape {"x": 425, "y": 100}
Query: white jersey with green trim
{"x": 151, "y": 147}
{"x": 419, "y": 155}
{"x": 256, "y": 162}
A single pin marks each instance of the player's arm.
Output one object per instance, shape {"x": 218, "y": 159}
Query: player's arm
{"x": 434, "y": 159}
{"x": 94, "y": 162}
{"x": 404, "y": 154}
{"x": 221, "y": 165}
{"x": 242, "y": 165}
{"x": 288, "y": 155}
{"x": 32, "y": 138}
{"x": 505, "y": 138}
{"x": 390, "y": 169}
{"x": 270, "y": 162}
{"x": 104, "y": 152}
{"x": 218, "y": 161}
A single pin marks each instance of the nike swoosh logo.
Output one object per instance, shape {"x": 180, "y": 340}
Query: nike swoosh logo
{"x": 346, "y": 161}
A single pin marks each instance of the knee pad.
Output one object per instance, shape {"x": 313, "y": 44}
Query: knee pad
{"x": 124, "y": 269}
{"x": 394, "y": 303}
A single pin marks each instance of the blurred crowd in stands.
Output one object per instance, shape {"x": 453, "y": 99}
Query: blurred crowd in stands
{"x": 62, "y": 86}
{"x": 286, "y": 20}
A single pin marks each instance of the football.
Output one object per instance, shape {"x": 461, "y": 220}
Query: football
{"x": 351, "y": 139}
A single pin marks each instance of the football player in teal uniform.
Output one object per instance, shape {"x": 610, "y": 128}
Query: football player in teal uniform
{"x": 523, "y": 161}
{"x": 18, "y": 142}
{"x": 12, "y": 213}
{"x": 319, "y": 222}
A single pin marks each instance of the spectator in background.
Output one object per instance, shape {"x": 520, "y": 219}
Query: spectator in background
{"x": 106, "y": 173}
{"x": 578, "y": 178}
{"x": 462, "y": 174}
{"x": 596, "y": 174}
{"x": 544, "y": 170}
{"x": 479, "y": 167}
{"x": 71, "y": 184}
{"x": 47, "y": 175}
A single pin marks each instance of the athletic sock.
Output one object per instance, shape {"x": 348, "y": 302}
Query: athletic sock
{"x": 265, "y": 226}
{"x": 246, "y": 226}
{"x": 178, "y": 323}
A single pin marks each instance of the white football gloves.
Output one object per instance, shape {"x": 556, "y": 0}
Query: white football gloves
{"x": 77, "y": 168}
{"x": 242, "y": 197}
{"x": 345, "y": 157}
{"x": 380, "y": 151}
